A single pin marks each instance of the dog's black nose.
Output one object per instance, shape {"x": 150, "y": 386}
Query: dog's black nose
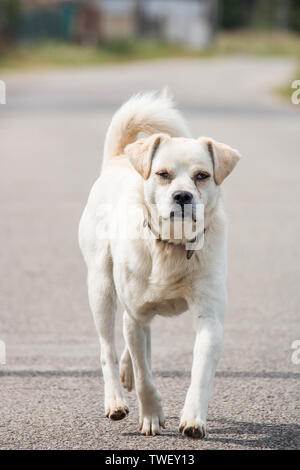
{"x": 182, "y": 197}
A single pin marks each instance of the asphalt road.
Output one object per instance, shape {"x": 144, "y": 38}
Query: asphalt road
{"x": 51, "y": 137}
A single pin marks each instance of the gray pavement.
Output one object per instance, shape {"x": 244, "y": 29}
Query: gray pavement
{"x": 51, "y": 136}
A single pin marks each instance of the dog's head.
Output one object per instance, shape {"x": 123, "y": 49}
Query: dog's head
{"x": 180, "y": 174}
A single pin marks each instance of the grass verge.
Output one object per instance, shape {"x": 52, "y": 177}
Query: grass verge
{"x": 256, "y": 42}
{"x": 58, "y": 54}
{"x": 50, "y": 54}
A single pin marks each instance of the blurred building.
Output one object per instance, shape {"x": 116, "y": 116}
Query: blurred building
{"x": 187, "y": 22}
{"x": 119, "y": 18}
{"x": 71, "y": 20}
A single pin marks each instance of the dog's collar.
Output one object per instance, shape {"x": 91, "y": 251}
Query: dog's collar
{"x": 189, "y": 253}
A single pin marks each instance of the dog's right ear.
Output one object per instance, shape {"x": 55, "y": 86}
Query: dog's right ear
{"x": 141, "y": 153}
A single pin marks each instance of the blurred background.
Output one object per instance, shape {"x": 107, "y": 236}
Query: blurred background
{"x": 68, "y": 66}
{"x": 79, "y": 32}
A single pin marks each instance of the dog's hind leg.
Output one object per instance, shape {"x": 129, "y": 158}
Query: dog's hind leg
{"x": 126, "y": 370}
{"x": 102, "y": 298}
{"x": 126, "y": 367}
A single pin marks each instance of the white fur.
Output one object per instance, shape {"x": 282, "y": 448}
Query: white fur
{"x": 145, "y": 112}
{"x": 150, "y": 277}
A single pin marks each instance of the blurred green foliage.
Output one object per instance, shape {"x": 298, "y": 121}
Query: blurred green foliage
{"x": 234, "y": 13}
{"x": 10, "y": 17}
{"x": 120, "y": 47}
{"x": 44, "y": 54}
{"x": 237, "y": 14}
{"x": 47, "y": 54}
{"x": 295, "y": 15}
{"x": 46, "y": 36}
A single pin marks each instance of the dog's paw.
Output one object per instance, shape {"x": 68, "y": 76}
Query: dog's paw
{"x": 194, "y": 429}
{"x": 117, "y": 413}
{"x": 126, "y": 371}
{"x": 115, "y": 406}
{"x": 150, "y": 425}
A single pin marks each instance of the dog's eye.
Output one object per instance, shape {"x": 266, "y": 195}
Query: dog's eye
{"x": 164, "y": 174}
{"x": 202, "y": 175}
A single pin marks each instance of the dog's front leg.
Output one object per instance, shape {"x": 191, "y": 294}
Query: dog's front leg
{"x": 207, "y": 349}
{"x": 151, "y": 417}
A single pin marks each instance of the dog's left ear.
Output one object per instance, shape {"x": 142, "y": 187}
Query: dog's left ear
{"x": 142, "y": 151}
{"x": 224, "y": 158}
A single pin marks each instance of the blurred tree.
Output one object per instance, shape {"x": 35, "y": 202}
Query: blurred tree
{"x": 213, "y": 14}
{"x": 282, "y": 13}
{"x": 229, "y": 14}
{"x": 10, "y": 14}
{"x": 235, "y": 14}
{"x": 138, "y": 13}
{"x": 262, "y": 16}
{"x": 294, "y": 15}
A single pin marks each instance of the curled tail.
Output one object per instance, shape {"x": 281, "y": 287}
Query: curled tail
{"x": 149, "y": 113}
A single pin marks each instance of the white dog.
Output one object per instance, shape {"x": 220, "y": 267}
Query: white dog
{"x": 154, "y": 274}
